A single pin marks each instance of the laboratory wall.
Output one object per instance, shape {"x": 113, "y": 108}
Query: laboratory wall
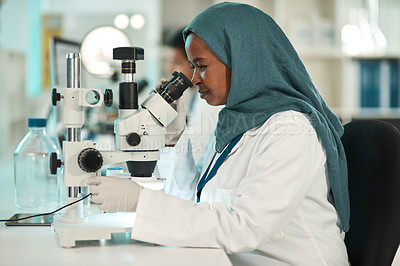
{"x": 14, "y": 25}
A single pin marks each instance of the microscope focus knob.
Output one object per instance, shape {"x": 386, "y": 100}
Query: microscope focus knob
{"x": 55, "y": 97}
{"x": 108, "y": 97}
{"x": 54, "y": 163}
{"x": 133, "y": 139}
{"x": 90, "y": 160}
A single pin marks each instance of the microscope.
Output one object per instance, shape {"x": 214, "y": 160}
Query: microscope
{"x": 139, "y": 135}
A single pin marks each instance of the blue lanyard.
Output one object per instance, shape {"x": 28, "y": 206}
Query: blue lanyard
{"x": 208, "y": 175}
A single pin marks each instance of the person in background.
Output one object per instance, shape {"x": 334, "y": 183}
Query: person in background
{"x": 176, "y": 54}
{"x": 272, "y": 189}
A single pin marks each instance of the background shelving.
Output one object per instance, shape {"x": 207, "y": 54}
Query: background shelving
{"x": 314, "y": 27}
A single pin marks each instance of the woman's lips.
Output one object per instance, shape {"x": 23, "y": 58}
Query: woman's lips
{"x": 203, "y": 93}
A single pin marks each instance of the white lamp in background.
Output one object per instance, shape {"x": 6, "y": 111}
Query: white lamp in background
{"x": 121, "y": 21}
{"x": 97, "y": 48}
{"x": 137, "y": 21}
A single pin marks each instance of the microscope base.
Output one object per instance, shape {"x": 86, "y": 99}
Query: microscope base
{"x": 97, "y": 226}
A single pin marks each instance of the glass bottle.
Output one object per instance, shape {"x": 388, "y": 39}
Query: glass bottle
{"x": 36, "y": 189}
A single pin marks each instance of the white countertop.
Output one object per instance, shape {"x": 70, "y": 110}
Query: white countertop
{"x": 38, "y": 245}
{"x": 20, "y": 245}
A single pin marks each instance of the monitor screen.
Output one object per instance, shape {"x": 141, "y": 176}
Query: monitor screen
{"x": 58, "y": 65}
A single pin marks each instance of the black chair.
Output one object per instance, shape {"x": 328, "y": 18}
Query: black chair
{"x": 373, "y": 157}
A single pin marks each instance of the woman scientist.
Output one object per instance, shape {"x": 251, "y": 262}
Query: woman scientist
{"x": 273, "y": 188}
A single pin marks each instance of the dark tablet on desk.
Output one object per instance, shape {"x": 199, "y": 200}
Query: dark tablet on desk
{"x": 45, "y": 220}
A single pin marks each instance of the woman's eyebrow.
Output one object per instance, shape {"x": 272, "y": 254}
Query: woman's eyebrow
{"x": 197, "y": 59}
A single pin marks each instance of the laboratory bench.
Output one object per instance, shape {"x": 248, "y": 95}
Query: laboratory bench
{"x": 38, "y": 245}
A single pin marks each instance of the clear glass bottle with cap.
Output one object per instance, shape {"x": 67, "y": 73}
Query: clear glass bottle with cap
{"x": 36, "y": 189}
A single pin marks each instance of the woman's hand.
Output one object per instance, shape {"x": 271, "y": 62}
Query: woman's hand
{"x": 158, "y": 86}
{"x": 114, "y": 194}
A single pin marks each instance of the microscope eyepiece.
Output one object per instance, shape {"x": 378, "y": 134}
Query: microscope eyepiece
{"x": 174, "y": 88}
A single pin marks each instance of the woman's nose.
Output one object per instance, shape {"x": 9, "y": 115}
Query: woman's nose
{"x": 195, "y": 78}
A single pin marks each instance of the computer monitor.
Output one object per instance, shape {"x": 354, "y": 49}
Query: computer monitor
{"x": 58, "y": 66}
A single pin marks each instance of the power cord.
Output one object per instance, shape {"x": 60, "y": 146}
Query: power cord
{"x": 48, "y": 213}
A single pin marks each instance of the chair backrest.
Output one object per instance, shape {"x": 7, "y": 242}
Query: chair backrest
{"x": 373, "y": 159}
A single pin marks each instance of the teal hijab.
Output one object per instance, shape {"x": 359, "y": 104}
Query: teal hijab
{"x": 268, "y": 77}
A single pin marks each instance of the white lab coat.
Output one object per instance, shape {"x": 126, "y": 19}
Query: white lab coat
{"x": 201, "y": 123}
{"x": 268, "y": 203}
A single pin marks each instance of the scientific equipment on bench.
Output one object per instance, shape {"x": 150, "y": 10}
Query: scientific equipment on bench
{"x": 139, "y": 134}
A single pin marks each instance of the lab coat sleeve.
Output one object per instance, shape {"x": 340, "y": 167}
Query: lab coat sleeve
{"x": 182, "y": 176}
{"x": 180, "y": 171}
{"x": 281, "y": 171}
